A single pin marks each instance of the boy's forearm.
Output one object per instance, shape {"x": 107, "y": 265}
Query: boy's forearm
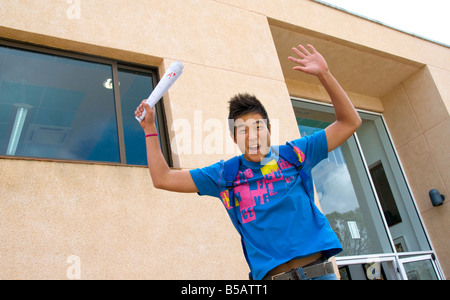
{"x": 347, "y": 118}
{"x": 343, "y": 107}
{"x": 156, "y": 162}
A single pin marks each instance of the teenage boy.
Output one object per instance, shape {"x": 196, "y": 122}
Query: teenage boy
{"x": 284, "y": 235}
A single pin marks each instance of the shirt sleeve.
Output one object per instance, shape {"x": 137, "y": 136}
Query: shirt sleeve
{"x": 209, "y": 180}
{"x": 315, "y": 147}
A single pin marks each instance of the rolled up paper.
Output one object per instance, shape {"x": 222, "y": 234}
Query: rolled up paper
{"x": 173, "y": 73}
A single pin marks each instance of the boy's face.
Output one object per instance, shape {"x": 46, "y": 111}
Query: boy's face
{"x": 252, "y": 135}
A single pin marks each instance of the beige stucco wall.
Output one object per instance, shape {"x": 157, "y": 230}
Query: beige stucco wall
{"x": 112, "y": 218}
{"x": 419, "y": 123}
{"x": 52, "y": 210}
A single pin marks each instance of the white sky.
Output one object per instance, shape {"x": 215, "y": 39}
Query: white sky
{"x": 426, "y": 18}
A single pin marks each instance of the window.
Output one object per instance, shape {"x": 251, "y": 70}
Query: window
{"x": 70, "y": 107}
{"x": 385, "y": 195}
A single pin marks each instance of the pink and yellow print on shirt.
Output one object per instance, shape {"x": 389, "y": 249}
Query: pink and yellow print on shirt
{"x": 300, "y": 154}
{"x": 258, "y": 187}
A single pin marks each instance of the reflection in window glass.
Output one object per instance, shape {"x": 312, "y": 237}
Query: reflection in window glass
{"x": 56, "y": 107}
{"x": 338, "y": 200}
{"x": 134, "y": 87}
{"x": 420, "y": 270}
{"x": 344, "y": 192}
{"x": 384, "y": 192}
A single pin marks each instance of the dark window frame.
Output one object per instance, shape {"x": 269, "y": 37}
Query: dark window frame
{"x": 116, "y": 65}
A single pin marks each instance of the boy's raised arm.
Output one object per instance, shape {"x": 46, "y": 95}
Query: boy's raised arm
{"x": 162, "y": 176}
{"x": 347, "y": 118}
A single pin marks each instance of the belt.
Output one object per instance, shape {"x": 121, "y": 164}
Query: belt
{"x": 312, "y": 271}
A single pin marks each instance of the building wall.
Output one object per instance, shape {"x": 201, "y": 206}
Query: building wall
{"x": 419, "y": 123}
{"x": 110, "y": 216}
{"x": 114, "y": 221}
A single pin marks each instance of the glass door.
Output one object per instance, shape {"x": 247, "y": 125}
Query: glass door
{"x": 391, "y": 187}
{"x": 344, "y": 189}
{"x": 366, "y": 198}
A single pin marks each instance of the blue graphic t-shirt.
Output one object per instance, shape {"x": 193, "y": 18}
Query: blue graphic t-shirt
{"x": 278, "y": 222}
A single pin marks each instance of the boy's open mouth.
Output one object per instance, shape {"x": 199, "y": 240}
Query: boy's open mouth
{"x": 254, "y": 149}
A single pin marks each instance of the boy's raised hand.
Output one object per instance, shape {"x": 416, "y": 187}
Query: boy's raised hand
{"x": 309, "y": 61}
{"x": 347, "y": 118}
{"x": 149, "y": 120}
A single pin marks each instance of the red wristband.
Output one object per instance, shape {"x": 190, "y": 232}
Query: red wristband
{"x": 153, "y": 134}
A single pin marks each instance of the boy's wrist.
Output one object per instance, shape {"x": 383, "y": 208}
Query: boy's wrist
{"x": 150, "y": 129}
{"x": 324, "y": 75}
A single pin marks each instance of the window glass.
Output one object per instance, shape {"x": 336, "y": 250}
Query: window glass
{"x": 393, "y": 193}
{"x": 387, "y": 200}
{"x": 56, "y": 107}
{"x": 134, "y": 87}
{"x": 341, "y": 197}
{"x": 362, "y": 189}
{"x": 344, "y": 192}
{"x": 420, "y": 270}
